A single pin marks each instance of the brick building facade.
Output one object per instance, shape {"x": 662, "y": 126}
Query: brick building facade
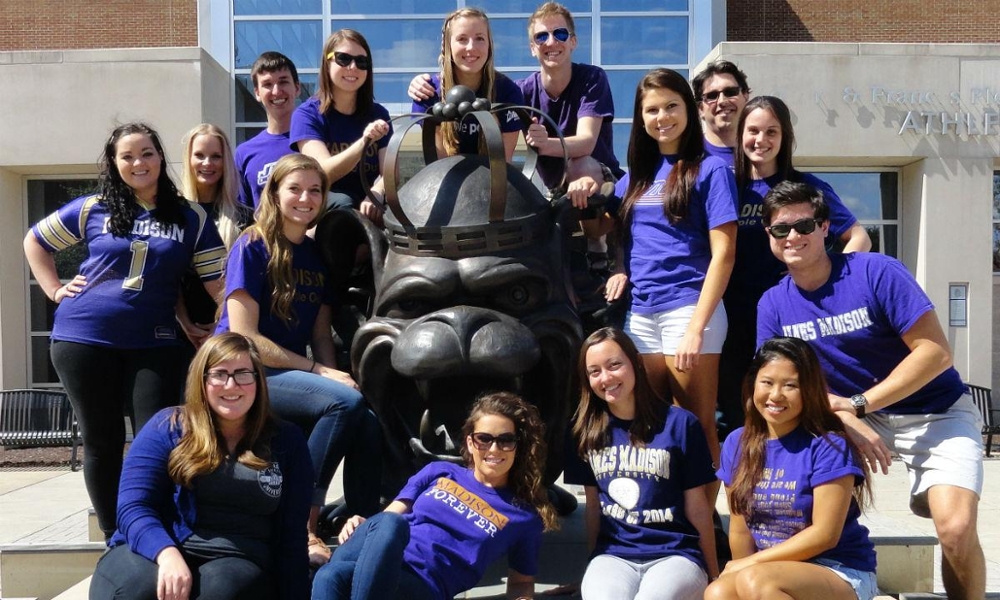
{"x": 895, "y": 21}
{"x": 86, "y": 24}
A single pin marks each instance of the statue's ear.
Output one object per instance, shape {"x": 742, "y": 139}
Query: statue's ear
{"x": 353, "y": 249}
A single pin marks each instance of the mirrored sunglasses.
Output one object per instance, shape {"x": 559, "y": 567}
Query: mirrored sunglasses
{"x": 728, "y": 92}
{"x": 560, "y": 33}
{"x": 344, "y": 59}
{"x": 780, "y": 231}
{"x": 221, "y": 378}
{"x": 505, "y": 441}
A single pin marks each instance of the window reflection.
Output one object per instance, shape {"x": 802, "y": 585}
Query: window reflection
{"x": 393, "y": 7}
{"x": 409, "y": 43}
{"x": 873, "y": 198}
{"x": 301, "y": 41}
{"x": 644, "y": 40}
{"x": 672, "y": 5}
{"x": 248, "y": 110}
{"x": 277, "y": 7}
{"x": 529, "y": 6}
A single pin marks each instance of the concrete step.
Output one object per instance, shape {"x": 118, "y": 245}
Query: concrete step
{"x": 80, "y": 591}
{"x": 45, "y": 570}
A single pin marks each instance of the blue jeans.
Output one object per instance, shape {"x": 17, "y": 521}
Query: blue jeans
{"x": 339, "y": 425}
{"x": 370, "y": 564}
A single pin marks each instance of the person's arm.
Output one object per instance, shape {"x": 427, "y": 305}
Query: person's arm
{"x": 244, "y": 313}
{"x": 420, "y": 87}
{"x": 592, "y": 516}
{"x": 831, "y": 501}
{"x": 43, "y": 267}
{"x": 581, "y": 144}
{"x": 856, "y": 239}
{"x": 722, "y": 241}
{"x": 929, "y": 356}
{"x": 338, "y": 165}
{"x": 510, "y": 144}
{"x": 520, "y": 585}
{"x": 371, "y": 211}
{"x": 741, "y": 543}
{"x": 699, "y": 513}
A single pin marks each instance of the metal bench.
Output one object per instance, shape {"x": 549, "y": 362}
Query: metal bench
{"x": 983, "y": 397}
{"x": 30, "y": 418}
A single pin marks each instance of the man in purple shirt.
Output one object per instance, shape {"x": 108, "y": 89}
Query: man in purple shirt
{"x": 722, "y": 91}
{"x": 889, "y": 369}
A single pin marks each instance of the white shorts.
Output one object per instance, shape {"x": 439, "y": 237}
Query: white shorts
{"x": 660, "y": 333}
{"x": 937, "y": 449}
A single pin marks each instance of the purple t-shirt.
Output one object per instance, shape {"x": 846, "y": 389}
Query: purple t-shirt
{"x": 725, "y": 153}
{"x": 794, "y": 466}
{"x": 505, "y": 92}
{"x": 459, "y": 526}
{"x": 641, "y": 489}
{"x": 855, "y": 322}
{"x": 338, "y": 131}
{"x": 247, "y": 270}
{"x": 587, "y": 95}
{"x": 756, "y": 268}
{"x": 666, "y": 262}
{"x": 254, "y": 160}
{"x": 132, "y": 281}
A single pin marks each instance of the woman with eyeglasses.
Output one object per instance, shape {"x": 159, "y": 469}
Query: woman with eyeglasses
{"x": 645, "y": 467}
{"x": 796, "y": 484}
{"x": 467, "y": 58}
{"x": 678, "y": 223}
{"x": 766, "y": 141}
{"x": 213, "y": 493}
{"x": 278, "y": 294}
{"x": 449, "y": 522}
{"x": 343, "y": 127}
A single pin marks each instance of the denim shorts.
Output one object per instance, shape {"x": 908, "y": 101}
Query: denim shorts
{"x": 863, "y": 582}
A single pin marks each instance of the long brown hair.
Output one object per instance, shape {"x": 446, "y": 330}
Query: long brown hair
{"x": 778, "y": 108}
{"x": 202, "y": 447}
{"x": 226, "y": 208}
{"x": 817, "y": 418}
{"x": 487, "y": 87}
{"x": 644, "y": 153}
{"x": 525, "y": 477}
{"x": 365, "y": 99}
{"x": 590, "y": 422}
{"x": 269, "y": 229}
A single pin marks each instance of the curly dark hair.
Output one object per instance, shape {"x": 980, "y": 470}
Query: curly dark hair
{"x": 120, "y": 199}
{"x": 525, "y": 477}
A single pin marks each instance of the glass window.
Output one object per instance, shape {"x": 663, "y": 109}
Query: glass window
{"x": 623, "y": 83}
{"x": 277, "y": 7}
{"x": 510, "y": 39}
{"x": 661, "y": 41}
{"x": 873, "y": 198}
{"x": 401, "y": 43}
{"x": 45, "y": 196}
{"x": 996, "y": 221}
{"x": 392, "y": 7}
{"x": 528, "y": 6}
{"x": 650, "y": 5}
{"x": 248, "y": 110}
{"x": 301, "y": 41}
{"x": 622, "y": 131}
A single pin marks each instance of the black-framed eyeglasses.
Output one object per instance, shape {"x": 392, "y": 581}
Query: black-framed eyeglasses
{"x": 484, "y": 441}
{"x": 728, "y": 92}
{"x": 780, "y": 231}
{"x": 344, "y": 59}
{"x": 221, "y": 378}
{"x": 560, "y": 33}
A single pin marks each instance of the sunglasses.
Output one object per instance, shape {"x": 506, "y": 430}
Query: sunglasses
{"x": 221, "y": 378}
{"x": 728, "y": 92}
{"x": 803, "y": 227}
{"x": 484, "y": 441}
{"x": 344, "y": 59}
{"x": 560, "y": 33}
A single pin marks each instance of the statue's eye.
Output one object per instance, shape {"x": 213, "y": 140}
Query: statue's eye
{"x": 520, "y": 297}
{"x": 409, "y": 308}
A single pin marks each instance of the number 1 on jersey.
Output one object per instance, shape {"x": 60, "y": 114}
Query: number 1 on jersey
{"x": 134, "y": 279}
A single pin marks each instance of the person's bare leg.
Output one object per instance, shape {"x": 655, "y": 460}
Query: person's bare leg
{"x": 696, "y": 390}
{"x": 658, "y": 375}
{"x": 781, "y": 580}
{"x": 963, "y": 566}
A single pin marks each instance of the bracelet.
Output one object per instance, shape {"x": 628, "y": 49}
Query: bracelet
{"x": 312, "y": 369}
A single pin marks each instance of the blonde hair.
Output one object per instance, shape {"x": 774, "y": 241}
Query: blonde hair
{"x": 225, "y": 200}
{"x": 551, "y": 9}
{"x": 202, "y": 448}
{"x": 269, "y": 229}
{"x": 487, "y": 87}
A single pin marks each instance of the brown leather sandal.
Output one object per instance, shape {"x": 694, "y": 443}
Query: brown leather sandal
{"x": 319, "y": 552}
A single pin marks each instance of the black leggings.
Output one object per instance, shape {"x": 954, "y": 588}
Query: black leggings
{"x": 103, "y": 385}
{"x": 124, "y": 575}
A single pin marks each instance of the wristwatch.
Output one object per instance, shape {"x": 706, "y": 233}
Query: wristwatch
{"x": 859, "y": 402}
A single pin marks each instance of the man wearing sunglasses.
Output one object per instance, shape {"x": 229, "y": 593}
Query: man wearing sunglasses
{"x": 889, "y": 370}
{"x": 721, "y": 91}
